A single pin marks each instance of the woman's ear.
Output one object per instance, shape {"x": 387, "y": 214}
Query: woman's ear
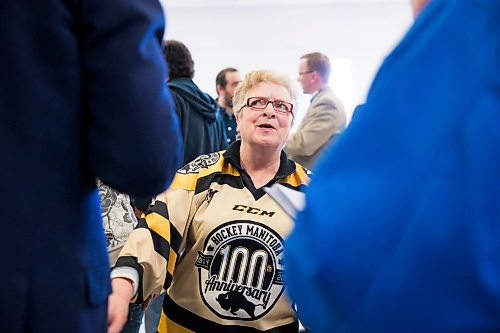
{"x": 237, "y": 118}
{"x": 238, "y": 115}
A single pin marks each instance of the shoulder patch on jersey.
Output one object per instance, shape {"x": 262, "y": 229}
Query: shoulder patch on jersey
{"x": 201, "y": 162}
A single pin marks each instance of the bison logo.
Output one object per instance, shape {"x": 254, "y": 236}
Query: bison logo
{"x": 233, "y": 301}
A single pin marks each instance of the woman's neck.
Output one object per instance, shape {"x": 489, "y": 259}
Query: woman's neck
{"x": 261, "y": 166}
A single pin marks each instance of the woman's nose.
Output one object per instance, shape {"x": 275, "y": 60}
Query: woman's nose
{"x": 269, "y": 111}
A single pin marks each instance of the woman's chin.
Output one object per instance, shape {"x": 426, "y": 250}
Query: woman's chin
{"x": 267, "y": 143}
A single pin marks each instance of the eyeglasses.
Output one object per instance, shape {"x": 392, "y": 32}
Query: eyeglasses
{"x": 299, "y": 74}
{"x": 260, "y": 103}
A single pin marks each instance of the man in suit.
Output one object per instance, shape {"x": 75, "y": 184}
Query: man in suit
{"x": 82, "y": 96}
{"x": 325, "y": 117}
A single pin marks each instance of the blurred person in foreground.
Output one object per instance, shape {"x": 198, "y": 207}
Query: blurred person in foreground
{"x": 402, "y": 224}
{"x": 81, "y": 83}
{"x": 214, "y": 239}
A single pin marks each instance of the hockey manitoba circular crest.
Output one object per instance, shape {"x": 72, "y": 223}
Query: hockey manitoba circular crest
{"x": 240, "y": 270}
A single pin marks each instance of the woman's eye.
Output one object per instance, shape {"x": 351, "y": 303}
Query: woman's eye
{"x": 283, "y": 107}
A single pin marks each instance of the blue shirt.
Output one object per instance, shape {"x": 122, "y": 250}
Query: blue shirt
{"x": 229, "y": 125}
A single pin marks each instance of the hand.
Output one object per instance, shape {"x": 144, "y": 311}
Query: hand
{"x": 118, "y": 303}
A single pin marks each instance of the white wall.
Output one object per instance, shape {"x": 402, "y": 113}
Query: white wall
{"x": 356, "y": 35}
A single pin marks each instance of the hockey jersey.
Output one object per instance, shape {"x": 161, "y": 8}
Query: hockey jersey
{"x": 215, "y": 243}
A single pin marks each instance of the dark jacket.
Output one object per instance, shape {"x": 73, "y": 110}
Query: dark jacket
{"x": 82, "y": 95}
{"x": 202, "y": 123}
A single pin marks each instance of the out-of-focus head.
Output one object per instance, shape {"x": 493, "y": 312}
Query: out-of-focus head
{"x": 417, "y": 6}
{"x": 264, "y": 106}
{"x": 314, "y": 72}
{"x": 226, "y": 82}
{"x": 178, "y": 57}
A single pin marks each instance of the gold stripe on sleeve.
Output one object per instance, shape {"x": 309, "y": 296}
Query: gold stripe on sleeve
{"x": 159, "y": 224}
{"x": 172, "y": 260}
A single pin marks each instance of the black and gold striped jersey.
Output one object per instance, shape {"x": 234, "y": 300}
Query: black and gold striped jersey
{"x": 215, "y": 243}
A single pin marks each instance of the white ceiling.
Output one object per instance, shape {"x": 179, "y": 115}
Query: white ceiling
{"x": 204, "y": 3}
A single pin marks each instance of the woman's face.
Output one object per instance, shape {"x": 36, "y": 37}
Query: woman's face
{"x": 267, "y": 127}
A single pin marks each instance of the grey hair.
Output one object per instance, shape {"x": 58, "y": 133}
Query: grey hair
{"x": 253, "y": 79}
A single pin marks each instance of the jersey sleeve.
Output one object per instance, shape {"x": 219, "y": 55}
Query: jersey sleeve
{"x": 154, "y": 247}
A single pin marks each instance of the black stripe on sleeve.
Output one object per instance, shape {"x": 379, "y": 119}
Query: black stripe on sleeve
{"x": 175, "y": 237}
{"x": 161, "y": 245}
{"x": 129, "y": 261}
{"x": 161, "y": 208}
{"x": 168, "y": 281}
{"x": 141, "y": 223}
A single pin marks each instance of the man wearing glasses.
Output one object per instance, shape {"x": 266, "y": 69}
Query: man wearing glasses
{"x": 325, "y": 117}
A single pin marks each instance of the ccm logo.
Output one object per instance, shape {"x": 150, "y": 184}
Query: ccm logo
{"x": 252, "y": 210}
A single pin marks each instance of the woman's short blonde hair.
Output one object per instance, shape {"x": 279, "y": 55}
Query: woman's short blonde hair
{"x": 254, "y": 78}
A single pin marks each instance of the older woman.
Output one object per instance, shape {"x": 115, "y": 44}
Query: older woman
{"x": 214, "y": 239}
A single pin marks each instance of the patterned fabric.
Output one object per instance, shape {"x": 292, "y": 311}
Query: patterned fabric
{"x": 117, "y": 215}
{"x": 230, "y": 236}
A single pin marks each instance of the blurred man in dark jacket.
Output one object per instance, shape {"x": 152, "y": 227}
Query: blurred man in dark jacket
{"x": 201, "y": 122}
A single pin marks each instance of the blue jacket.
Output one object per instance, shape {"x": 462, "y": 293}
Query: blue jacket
{"x": 402, "y": 227}
{"x": 81, "y": 96}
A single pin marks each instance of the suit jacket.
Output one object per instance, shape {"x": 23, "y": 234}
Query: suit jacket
{"x": 325, "y": 118}
{"x": 81, "y": 95}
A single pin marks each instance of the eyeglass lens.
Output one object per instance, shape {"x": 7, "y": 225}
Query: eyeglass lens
{"x": 260, "y": 103}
